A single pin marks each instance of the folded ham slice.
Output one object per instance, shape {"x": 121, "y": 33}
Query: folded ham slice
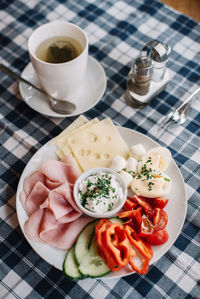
{"x": 57, "y": 171}
{"x": 37, "y": 196}
{"x": 29, "y": 183}
{"x": 47, "y": 196}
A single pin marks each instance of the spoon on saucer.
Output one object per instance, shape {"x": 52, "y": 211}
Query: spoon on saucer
{"x": 59, "y": 106}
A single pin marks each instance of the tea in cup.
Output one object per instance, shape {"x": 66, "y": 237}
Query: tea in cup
{"x": 59, "y": 52}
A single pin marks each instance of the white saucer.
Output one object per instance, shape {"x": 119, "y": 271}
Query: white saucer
{"x": 87, "y": 97}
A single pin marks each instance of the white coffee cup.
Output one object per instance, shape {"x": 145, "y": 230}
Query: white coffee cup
{"x": 61, "y": 80}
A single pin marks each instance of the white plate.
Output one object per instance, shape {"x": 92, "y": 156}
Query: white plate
{"x": 177, "y": 202}
{"x": 87, "y": 97}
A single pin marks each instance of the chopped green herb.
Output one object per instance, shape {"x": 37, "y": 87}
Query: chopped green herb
{"x": 166, "y": 179}
{"x": 131, "y": 172}
{"x": 109, "y": 207}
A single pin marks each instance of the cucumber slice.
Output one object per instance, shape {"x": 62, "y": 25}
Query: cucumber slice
{"x": 83, "y": 259}
{"x": 116, "y": 220}
{"x": 93, "y": 266}
{"x": 83, "y": 242}
{"x": 70, "y": 266}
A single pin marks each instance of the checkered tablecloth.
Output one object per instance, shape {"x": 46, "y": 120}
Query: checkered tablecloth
{"x": 117, "y": 31}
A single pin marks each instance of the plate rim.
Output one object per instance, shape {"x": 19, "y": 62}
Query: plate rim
{"x": 108, "y": 276}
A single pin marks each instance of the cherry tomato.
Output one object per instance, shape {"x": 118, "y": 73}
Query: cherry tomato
{"x": 146, "y": 228}
{"x": 160, "y": 219}
{"x": 158, "y": 238}
{"x": 159, "y": 202}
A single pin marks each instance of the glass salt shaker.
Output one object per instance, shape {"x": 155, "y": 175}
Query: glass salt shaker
{"x": 159, "y": 53}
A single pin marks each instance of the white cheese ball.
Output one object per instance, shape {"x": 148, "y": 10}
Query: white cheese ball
{"x": 127, "y": 177}
{"x": 132, "y": 165}
{"x": 118, "y": 163}
{"x": 137, "y": 151}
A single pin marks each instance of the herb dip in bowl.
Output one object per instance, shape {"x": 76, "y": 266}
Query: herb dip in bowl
{"x": 100, "y": 192}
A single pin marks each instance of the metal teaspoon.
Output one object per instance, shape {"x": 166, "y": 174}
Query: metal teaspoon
{"x": 59, "y": 106}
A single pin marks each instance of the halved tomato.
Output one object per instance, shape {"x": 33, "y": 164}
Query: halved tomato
{"x": 160, "y": 219}
{"x": 158, "y": 238}
{"x": 159, "y": 202}
{"x": 147, "y": 227}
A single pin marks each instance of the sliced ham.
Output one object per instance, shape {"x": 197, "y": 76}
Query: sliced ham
{"x": 31, "y": 180}
{"x": 32, "y": 226}
{"x": 29, "y": 183}
{"x": 65, "y": 235}
{"x": 65, "y": 191}
{"x": 37, "y": 196}
{"x": 47, "y": 197}
{"x": 42, "y": 227}
{"x": 57, "y": 171}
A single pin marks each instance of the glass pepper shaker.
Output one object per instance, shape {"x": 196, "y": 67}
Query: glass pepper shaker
{"x": 138, "y": 81}
{"x": 142, "y": 71}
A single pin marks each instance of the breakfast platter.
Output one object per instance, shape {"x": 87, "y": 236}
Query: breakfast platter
{"x": 58, "y": 148}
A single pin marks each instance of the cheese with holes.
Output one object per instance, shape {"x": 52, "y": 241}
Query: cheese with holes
{"x": 62, "y": 143}
{"x": 77, "y": 123}
{"x": 65, "y": 146}
{"x": 96, "y": 145}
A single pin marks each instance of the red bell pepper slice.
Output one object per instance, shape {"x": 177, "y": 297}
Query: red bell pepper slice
{"x": 143, "y": 247}
{"x": 135, "y": 213}
{"x": 144, "y": 203}
{"x": 129, "y": 204}
{"x": 117, "y": 244}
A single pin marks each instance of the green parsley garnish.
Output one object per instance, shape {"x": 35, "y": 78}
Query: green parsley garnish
{"x": 166, "y": 179}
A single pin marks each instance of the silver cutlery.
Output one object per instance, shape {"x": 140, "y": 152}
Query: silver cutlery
{"x": 178, "y": 116}
{"x": 59, "y": 106}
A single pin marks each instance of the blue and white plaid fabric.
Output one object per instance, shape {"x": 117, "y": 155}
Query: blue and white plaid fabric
{"x": 117, "y": 32}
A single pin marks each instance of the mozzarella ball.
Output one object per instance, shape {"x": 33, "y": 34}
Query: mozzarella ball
{"x": 137, "y": 151}
{"x": 132, "y": 165}
{"x": 118, "y": 163}
{"x": 127, "y": 177}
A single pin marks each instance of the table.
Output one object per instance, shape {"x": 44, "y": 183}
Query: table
{"x": 117, "y": 31}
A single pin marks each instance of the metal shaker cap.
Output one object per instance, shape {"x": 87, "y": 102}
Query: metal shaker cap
{"x": 158, "y": 51}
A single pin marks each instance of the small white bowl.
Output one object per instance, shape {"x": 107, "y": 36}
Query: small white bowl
{"x": 92, "y": 171}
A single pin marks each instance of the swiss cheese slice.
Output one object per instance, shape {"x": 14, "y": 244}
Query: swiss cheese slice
{"x": 96, "y": 145}
{"x": 73, "y": 126}
{"x": 64, "y": 146}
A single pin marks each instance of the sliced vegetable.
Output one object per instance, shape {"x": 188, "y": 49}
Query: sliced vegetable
{"x": 146, "y": 227}
{"x": 143, "y": 247}
{"x": 83, "y": 242}
{"x": 159, "y": 202}
{"x": 92, "y": 265}
{"x": 129, "y": 204}
{"x": 144, "y": 203}
{"x": 158, "y": 238}
{"x": 136, "y": 214}
{"x": 117, "y": 246}
{"x": 160, "y": 219}
{"x": 70, "y": 265}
